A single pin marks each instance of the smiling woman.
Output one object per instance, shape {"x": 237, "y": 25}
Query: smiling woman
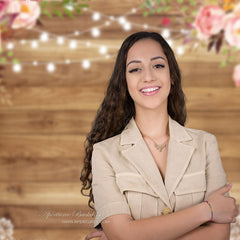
{"x": 147, "y": 173}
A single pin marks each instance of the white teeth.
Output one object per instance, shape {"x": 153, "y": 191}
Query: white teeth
{"x": 149, "y": 89}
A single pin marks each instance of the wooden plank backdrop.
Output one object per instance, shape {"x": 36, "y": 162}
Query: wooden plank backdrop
{"x": 44, "y": 119}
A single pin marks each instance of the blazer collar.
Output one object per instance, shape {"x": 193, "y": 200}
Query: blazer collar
{"x": 131, "y": 133}
{"x": 179, "y": 155}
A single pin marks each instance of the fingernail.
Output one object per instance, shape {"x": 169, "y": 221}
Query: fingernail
{"x": 230, "y": 184}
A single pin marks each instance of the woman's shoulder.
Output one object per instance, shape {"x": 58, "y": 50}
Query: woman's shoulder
{"x": 199, "y": 133}
{"x": 112, "y": 141}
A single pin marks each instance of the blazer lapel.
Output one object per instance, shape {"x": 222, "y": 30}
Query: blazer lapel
{"x": 179, "y": 155}
{"x": 180, "y": 150}
{"x": 139, "y": 155}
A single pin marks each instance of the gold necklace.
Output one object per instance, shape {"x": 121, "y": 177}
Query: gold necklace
{"x": 157, "y": 146}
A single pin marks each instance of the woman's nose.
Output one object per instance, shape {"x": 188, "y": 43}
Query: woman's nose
{"x": 148, "y": 75}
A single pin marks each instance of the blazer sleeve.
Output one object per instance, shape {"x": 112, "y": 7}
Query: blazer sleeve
{"x": 215, "y": 175}
{"x": 108, "y": 200}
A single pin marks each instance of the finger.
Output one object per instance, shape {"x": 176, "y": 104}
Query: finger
{"x": 94, "y": 234}
{"x": 225, "y": 189}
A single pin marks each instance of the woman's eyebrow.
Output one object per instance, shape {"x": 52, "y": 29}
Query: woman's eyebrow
{"x": 154, "y": 58}
{"x": 134, "y": 61}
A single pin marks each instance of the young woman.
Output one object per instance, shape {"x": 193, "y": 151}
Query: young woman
{"x": 151, "y": 177}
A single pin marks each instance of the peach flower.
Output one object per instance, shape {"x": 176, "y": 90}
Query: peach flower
{"x": 209, "y": 20}
{"x": 28, "y": 13}
{"x": 236, "y": 75}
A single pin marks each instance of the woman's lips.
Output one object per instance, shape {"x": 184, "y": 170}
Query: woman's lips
{"x": 149, "y": 91}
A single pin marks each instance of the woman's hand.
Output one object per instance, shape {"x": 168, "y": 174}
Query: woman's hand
{"x": 224, "y": 208}
{"x": 95, "y": 234}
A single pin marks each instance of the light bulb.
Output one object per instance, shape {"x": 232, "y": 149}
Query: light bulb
{"x": 44, "y": 37}
{"x": 51, "y": 67}
{"x": 67, "y": 61}
{"x": 145, "y": 26}
{"x": 23, "y": 41}
{"x": 17, "y": 67}
{"x": 60, "y": 40}
{"x": 180, "y": 50}
{"x": 127, "y": 26}
{"x": 34, "y": 44}
{"x": 35, "y": 63}
{"x": 166, "y": 33}
{"x": 73, "y": 44}
{"x": 88, "y": 44}
{"x": 103, "y": 49}
{"x": 86, "y": 64}
{"x": 96, "y": 16}
{"x": 76, "y": 33}
{"x": 95, "y": 32}
{"x": 10, "y": 45}
{"x": 121, "y": 20}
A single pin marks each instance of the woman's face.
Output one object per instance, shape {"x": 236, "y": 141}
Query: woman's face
{"x": 148, "y": 75}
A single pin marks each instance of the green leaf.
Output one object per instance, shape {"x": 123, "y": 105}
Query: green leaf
{"x": 3, "y": 60}
{"x": 10, "y": 54}
{"x": 194, "y": 13}
{"x": 68, "y": 12}
{"x": 46, "y": 12}
{"x": 15, "y": 61}
{"x": 180, "y": 1}
{"x": 158, "y": 2}
{"x": 225, "y": 50}
{"x": 43, "y": 4}
{"x": 159, "y": 9}
{"x": 58, "y": 13}
{"x": 153, "y": 11}
{"x": 142, "y": 6}
{"x": 148, "y": 3}
{"x": 231, "y": 58}
{"x": 146, "y": 13}
{"x": 192, "y": 2}
{"x": 184, "y": 8}
{"x": 235, "y": 49}
{"x": 224, "y": 63}
{"x": 167, "y": 8}
{"x": 167, "y": 1}
{"x": 78, "y": 10}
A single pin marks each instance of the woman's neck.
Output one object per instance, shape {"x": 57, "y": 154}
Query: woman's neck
{"x": 153, "y": 124}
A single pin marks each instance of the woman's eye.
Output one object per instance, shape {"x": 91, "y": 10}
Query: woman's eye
{"x": 134, "y": 70}
{"x": 159, "y": 66}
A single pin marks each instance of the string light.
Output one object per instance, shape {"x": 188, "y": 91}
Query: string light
{"x": 166, "y": 33}
{"x": 44, "y": 37}
{"x": 103, "y": 50}
{"x": 34, "y": 44}
{"x": 10, "y": 46}
{"x": 73, "y": 44}
{"x": 51, "y": 67}
{"x": 86, "y": 64}
{"x": 60, "y": 40}
{"x": 180, "y": 50}
{"x": 127, "y": 26}
{"x": 95, "y": 32}
{"x": 35, "y": 63}
{"x": 96, "y": 16}
{"x": 17, "y": 67}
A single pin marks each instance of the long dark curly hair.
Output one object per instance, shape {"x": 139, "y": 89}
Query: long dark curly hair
{"x": 118, "y": 108}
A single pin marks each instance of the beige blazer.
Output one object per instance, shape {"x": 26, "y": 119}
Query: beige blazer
{"x": 126, "y": 179}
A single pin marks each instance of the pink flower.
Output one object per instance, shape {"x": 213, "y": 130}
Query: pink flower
{"x": 166, "y": 21}
{"x": 3, "y": 6}
{"x": 236, "y": 75}
{"x": 232, "y": 27}
{"x": 28, "y": 13}
{"x": 209, "y": 20}
{"x": 232, "y": 31}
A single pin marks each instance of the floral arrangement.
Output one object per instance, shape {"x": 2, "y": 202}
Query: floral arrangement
{"x": 6, "y": 229}
{"x": 216, "y": 24}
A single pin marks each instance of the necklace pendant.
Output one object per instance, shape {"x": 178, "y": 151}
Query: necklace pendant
{"x": 158, "y": 147}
